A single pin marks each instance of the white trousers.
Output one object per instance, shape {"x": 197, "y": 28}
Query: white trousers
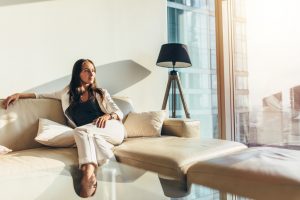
{"x": 94, "y": 145}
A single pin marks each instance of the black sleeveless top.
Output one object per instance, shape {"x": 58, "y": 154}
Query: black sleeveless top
{"x": 85, "y": 112}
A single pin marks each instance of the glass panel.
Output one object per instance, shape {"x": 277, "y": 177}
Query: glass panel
{"x": 192, "y": 22}
{"x": 266, "y": 66}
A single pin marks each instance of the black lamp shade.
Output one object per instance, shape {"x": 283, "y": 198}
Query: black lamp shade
{"x": 173, "y": 55}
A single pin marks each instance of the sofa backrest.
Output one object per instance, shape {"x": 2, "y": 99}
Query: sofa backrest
{"x": 19, "y": 123}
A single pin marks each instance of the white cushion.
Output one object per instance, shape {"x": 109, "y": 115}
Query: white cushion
{"x": 54, "y": 134}
{"x": 144, "y": 124}
{"x": 4, "y": 150}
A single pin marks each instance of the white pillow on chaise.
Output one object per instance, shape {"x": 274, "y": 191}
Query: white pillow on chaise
{"x": 145, "y": 124}
{"x": 53, "y": 134}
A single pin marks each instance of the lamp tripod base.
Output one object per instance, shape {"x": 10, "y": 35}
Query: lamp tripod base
{"x": 172, "y": 82}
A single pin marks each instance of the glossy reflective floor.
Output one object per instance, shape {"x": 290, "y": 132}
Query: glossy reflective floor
{"x": 114, "y": 182}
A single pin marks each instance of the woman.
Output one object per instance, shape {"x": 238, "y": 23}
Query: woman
{"x": 93, "y": 114}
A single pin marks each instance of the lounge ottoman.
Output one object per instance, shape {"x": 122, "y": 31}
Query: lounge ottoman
{"x": 260, "y": 173}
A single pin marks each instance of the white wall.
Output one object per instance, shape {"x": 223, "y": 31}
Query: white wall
{"x": 40, "y": 41}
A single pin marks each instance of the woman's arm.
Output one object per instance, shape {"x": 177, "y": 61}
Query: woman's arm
{"x": 112, "y": 107}
{"x": 12, "y": 98}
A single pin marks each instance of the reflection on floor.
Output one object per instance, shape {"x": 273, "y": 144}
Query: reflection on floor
{"x": 204, "y": 193}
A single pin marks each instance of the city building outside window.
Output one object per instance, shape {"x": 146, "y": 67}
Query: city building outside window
{"x": 192, "y": 22}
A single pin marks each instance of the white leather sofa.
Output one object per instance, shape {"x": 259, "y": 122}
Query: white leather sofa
{"x": 178, "y": 155}
{"x": 170, "y": 155}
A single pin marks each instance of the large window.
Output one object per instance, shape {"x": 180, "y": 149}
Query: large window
{"x": 263, "y": 41}
{"x": 258, "y": 82}
{"x": 192, "y": 22}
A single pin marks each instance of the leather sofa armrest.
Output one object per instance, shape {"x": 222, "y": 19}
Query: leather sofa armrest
{"x": 181, "y": 127}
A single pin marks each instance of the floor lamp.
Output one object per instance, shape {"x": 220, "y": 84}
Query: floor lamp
{"x": 174, "y": 55}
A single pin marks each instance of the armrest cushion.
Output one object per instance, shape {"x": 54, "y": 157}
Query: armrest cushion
{"x": 181, "y": 127}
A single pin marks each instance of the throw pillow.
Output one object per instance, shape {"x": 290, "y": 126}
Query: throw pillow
{"x": 53, "y": 134}
{"x": 145, "y": 124}
{"x": 4, "y": 150}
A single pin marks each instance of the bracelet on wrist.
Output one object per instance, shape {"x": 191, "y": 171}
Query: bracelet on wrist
{"x": 111, "y": 116}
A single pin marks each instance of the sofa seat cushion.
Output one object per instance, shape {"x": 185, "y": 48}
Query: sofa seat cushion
{"x": 260, "y": 172}
{"x": 171, "y": 156}
{"x": 20, "y": 162}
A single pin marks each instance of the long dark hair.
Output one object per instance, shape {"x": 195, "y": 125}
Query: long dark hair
{"x": 75, "y": 84}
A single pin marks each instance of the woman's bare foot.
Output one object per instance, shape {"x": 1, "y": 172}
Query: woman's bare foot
{"x": 88, "y": 182}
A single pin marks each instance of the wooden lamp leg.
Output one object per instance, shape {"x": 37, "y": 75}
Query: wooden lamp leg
{"x": 164, "y": 105}
{"x": 187, "y": 113}
{"x": 173, "y": 80}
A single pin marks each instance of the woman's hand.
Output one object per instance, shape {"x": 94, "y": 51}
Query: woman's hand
{"x": 10, "y": 100}
{"x": 101, "y": 121}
